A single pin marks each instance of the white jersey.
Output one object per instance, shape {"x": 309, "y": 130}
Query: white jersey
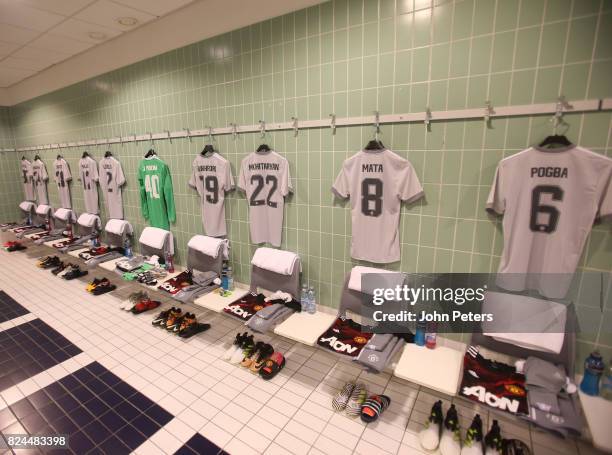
{"x": 88, "y": 175}
{"x": 265, "y": 178}
{"x": 211, "y": 176}
{"x": 62, "y": 177}
{"x": 376, "y": 182}
{"x": 111, "y": 181}
{"x": 40, "y": 178}
{"x": 27, "y": 180}
{"x": 550, "y": 199}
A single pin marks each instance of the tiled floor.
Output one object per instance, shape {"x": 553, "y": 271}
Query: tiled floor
{"x": 215, "y": 406}
{"x": 10, "y": 308}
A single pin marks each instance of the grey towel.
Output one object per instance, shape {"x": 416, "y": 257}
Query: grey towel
{"x": 379, "y": 341}
{"x": 378, "y": 360}
{"x": 544, "y": 374}
{"x": 262, "y": 325}
{"x": 568, "y": 421}
{"x": 543, "y": 399}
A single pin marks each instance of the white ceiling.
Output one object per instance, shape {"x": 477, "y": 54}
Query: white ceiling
{"x": 34, "y": 61}
{"x": 36, "y": 34}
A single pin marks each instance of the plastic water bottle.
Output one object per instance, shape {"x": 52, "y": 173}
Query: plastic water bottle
{"x": 224, "y": 283}
{"x": 312, "y": 301}
{"x": 230, "y": 279}
{"x": 431, "y": 335}
{"x": 419, "y": 335}
{"x": 606, "y": 384}
{"x": 127, "y": 248}
{"x": 169, "y": 263}
{"x": 304, "y": 298}
{"x": 593, "y": 369}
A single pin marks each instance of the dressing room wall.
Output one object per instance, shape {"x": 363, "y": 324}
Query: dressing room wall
{"x": 351, "y": 58}
{"x": 11, "y": 191}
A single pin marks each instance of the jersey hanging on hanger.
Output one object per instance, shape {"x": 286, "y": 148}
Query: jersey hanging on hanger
{"x": 62, "y": 178}
{"x": 88, "y": 175}
{"x": 265, "y": 178}
{"x": 211, "y": 176}
{"x": 156, "y": 193}
{"x": 40, "y": 178}
{"x": 377, "y": 181}
{"x": 111, "y": 181}
{"x": 28, "y": 181}
{"x": 550, "y": 199}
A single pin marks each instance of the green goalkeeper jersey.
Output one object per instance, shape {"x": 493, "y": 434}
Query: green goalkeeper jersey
{"x": 156, "y": 193}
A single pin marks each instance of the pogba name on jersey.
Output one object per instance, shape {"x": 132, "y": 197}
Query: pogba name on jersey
{"x": 366, "y": 167}
{"x": 556, "y": 172}
{"x": 207, "y": 168}
{"x": 264, "y": 167}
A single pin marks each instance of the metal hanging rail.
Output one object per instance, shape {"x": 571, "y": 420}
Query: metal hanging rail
{"x": 486, "y": 113}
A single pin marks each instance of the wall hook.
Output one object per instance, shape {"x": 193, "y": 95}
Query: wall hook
{"x": 169, "y": 137}
{"x": 234, "y": 130}
{"x": 557, "y": 119}
{"x": 262, "y": 128}
{"x": 188, "y": 134}
{"x": 151, "y": 138}
{"x": 427, "y": 120}
{"x": 487, "y": 114}
{"x": 210, "y": 133}
{"x": 376, "y": 124}
{"x": 295, "y": 126}
{"x": 333, "y": 124}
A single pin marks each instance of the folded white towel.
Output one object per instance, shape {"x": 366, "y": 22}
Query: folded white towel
{"x": 119, "y": 227}
{"x": 278, "y": 261}
{"x": 27, "y": 206}
{"x": 88, "y": 220}
{"x": 64, "y": 215}
{"x": 523, "y": 321}
{"x": 391, "y": 279}
{"x": 210, "y": 246}
{"x": 157, "y": 238}
{"x": 43, "y": 209}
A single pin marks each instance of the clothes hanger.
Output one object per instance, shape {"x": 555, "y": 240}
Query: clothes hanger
{"x": 36, "y": 157}
{"x": 59, "y": 157}
{"x": 85, "y": 155}
{"x": 207, "y": 150}
{"x": 108, "y": 154}
{"x": 150, "y": 153}
{"x": 555, "y": 140}
{"x": 375, "y": 144}
{"x": 23, "y": 158}
{"x": 263, "y": 148}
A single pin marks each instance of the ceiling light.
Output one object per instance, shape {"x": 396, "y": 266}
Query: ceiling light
{"x": 127, "y": 21}
{"x": 97, "y": 35}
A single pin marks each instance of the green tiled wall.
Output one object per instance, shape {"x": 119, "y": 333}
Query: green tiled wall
{"x": 11, "y": 191}
{"x": 351, "y": 58}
